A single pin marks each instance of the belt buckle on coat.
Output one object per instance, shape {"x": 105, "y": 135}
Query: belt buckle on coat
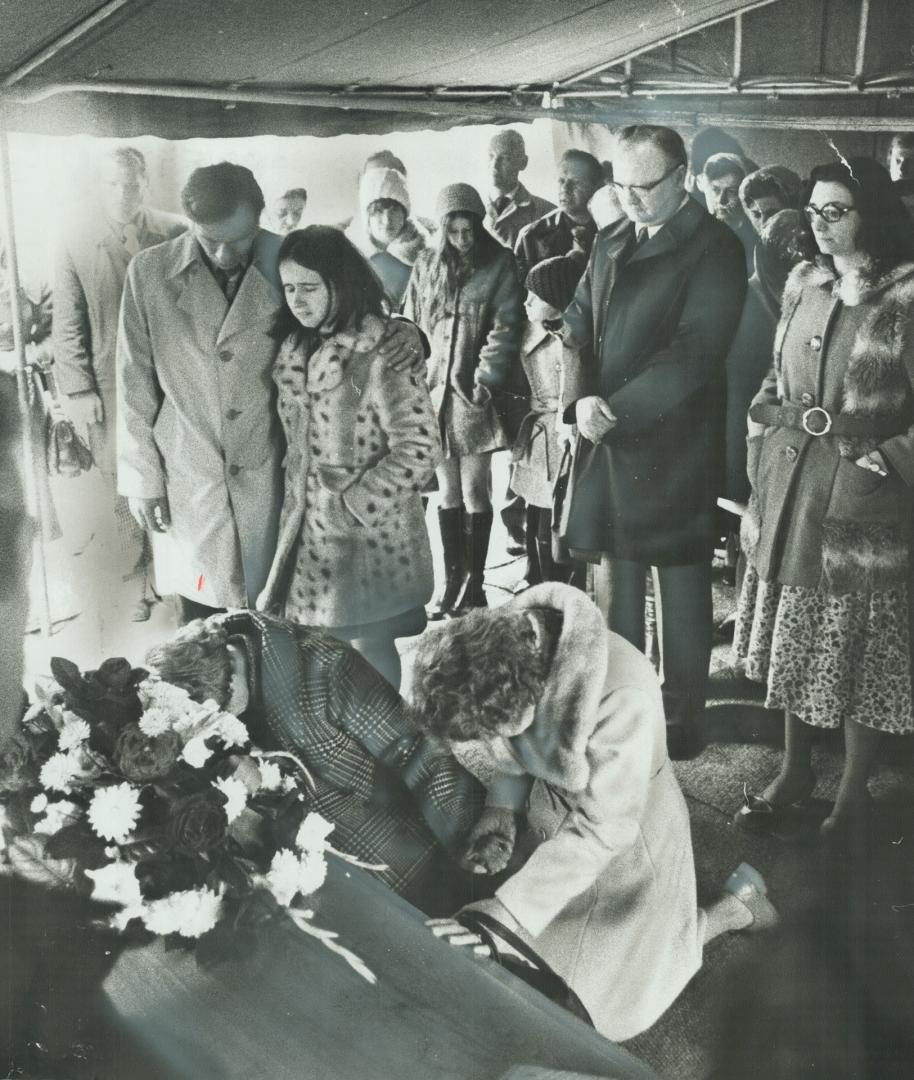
{"x": 827, "y": 423}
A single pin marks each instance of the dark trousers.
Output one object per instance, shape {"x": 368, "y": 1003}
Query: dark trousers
{"x": 686, "y": 621}
{"x": 187, "y": 610}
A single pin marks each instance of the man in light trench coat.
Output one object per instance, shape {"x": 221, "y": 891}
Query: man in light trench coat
{"x": 199, "y": 446}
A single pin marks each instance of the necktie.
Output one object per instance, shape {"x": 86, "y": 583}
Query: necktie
{"x": 130, "y": 238}
{"x": 228, "y": 281}
{"x": 501, "y": 204}
{"x": 642, "y": 236}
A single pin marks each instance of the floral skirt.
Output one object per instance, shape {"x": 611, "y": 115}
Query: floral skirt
{"x": 828, "y": 659}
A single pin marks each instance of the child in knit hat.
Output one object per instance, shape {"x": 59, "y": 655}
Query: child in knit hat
{"x": 553, "y": 374}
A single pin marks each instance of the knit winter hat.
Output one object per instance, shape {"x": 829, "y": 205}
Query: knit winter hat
{"x": 383, "y": 184}
{"x": 459, "y": 198}
{"x": 554, "y": 280}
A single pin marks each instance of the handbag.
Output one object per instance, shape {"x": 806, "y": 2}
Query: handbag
{"x": 582, "y": 491}
{"x": 67, "y": 453}
{"x": 533, "y": 969}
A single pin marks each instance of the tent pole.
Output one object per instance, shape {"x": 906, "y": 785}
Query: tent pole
{"x": 73, "y": 34}
{"x": 861, "y": 43}
{"x": 34, "y": 500}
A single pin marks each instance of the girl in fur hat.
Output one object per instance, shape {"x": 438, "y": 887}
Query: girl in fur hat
{"x": 824, "y": 611}
{"x": 466, "y": 297}
{"x": 384, "y": 231}
{"x": 563, "y": 720}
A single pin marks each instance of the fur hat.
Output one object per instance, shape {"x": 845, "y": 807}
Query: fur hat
{"x": 383, "y": 184}
{"x": 459, "y": 198}
{"x": 554, "y": 280}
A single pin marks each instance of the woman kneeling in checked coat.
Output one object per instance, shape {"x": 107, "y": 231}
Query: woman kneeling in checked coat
{"x": 603, "y": 882}
{"x": 353, "y": 555}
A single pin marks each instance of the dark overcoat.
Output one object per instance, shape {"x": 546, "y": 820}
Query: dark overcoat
{"x": 655, "y": 322}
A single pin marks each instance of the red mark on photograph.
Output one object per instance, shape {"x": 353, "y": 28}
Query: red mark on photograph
{"x": 200, "y": 583}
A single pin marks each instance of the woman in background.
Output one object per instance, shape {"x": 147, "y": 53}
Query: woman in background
{"x": 353, "y": 553}
{"x": 466, "y": 297}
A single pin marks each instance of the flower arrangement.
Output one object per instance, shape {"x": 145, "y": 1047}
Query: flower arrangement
{"x": 122, "y": 787}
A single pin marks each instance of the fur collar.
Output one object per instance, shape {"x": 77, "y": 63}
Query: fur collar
{"x": 554, "y": 746}
{"x": 861, "y": 286}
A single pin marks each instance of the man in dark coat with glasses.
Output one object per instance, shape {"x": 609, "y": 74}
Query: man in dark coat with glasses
{"x": 655, "y": 314}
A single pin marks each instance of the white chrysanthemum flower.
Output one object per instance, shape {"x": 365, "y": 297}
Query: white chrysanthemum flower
{"x": 116, "y": 883}
{"x": 39, "y": 804}
{"x": 288, "y": 783}
{"x": 155, "y": 693}
{"x": 196, "y": 720}
{"x": 73, "y": 733}
{"x": 313, "y": 832}
{"x": 113, "y": 811}
{"x": 196, "y": 753}
{"x": 231, "y": 730}
{"x": 236, "y": 794}
{"x": 57, "y": 815}
{"x": 156, "y": 720}
{"x": 190, "y": 913}
{"x": 59, "y": 772}
{"x": 270, "y": 775}
{"x": 282, "y": 879}
{"x": 312, "y": 872}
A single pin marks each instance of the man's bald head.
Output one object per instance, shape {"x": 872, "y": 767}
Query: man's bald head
{"x": 507, "y": 159}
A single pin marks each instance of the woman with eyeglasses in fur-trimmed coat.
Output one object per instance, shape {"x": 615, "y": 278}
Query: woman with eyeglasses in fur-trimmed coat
{"x": 824, "y": 611}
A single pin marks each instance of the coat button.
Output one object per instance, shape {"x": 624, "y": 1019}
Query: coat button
{"x": 790, "y": 453}
{"x": 225, "y": 355}
{"x": 234, "y": 470}
{"x": 815, "y": 342}
{"x": 232, "y": 414}
{"x": 808, "y": 400}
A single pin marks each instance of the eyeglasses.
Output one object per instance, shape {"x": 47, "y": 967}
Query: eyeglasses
{"x": 830, "y": 212}
{"x": 643, "y": 189}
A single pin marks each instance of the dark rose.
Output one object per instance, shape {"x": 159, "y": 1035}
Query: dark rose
{"x": 198, "y": 822}
{"x": 143, "y": 757}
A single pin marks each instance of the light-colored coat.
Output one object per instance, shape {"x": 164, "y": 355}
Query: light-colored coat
{"x": 197, "y": 419}
{"x": 608, "y": 898}
{"x": 88, "y": 283}
{"x": 521, "y": 211}
{"x": 549, "y": 367}
{"x": 353, "y": 547}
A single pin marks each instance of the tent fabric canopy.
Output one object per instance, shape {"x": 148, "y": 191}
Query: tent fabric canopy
{"x": 298, "y": 66}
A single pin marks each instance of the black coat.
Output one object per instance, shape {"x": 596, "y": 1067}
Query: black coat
{"x": 655, "y": 323}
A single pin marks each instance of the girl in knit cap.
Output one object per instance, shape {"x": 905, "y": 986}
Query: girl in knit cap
{"x": 466, "y": 297}
{"x": 549, "y": 367}
{"x": 385, "y": 233}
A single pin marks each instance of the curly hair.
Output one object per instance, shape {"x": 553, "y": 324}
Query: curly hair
{"x": 198, "y": 660}
{"x": 478, "y": 674}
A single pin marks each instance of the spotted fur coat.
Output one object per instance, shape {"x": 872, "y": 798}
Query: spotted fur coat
{"x": 362, "y": 444}
{"x": 815, "y": 518}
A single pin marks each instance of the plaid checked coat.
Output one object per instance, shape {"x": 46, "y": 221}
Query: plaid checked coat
{"x": 393, "y": 797}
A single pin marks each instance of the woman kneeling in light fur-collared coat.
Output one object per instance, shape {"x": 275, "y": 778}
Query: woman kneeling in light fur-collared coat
{"x": 353, "y": 554}
{"x": 607, "y": 894}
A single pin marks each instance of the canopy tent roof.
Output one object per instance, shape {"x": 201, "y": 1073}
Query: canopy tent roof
{"x": 179, "y": 68}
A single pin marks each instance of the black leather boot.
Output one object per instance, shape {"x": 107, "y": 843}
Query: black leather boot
{"x": 684, "y": 735}
{"x": 476, "y": 531}
{"x": 450, "y": 522}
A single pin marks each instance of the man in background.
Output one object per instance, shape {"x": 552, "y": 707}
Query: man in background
{"x": 901, "y": 167}
{"x": 720, "y": 181}
{"x": 510, "y": 206}
{"x": 89, "y": 280}
{"x": 571, "y": 224}
{"x": 288, "y": 210}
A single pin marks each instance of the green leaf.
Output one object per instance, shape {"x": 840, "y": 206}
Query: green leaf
{"x": 29, "y": 861}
